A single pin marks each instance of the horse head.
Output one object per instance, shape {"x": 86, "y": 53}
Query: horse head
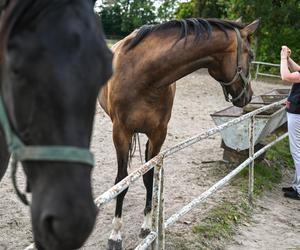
{"x": 232, "y": 67}
{"x": 55, "y": 61}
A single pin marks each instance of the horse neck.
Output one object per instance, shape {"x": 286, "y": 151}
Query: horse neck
{"x": 159, "y": 61}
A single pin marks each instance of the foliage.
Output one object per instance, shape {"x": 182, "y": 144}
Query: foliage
{"x": 111, "y": 17}
{"x": 119, "y": 18}
{"x": 166, "y": 10}
{"x": 138, "y": 13}
{"x": 211, "y": 8}
{"x": 280, "y": 21}
{"x": 268, "y": 172}
{"x": 186, "y": 10}
{"x": 202, "y": 8}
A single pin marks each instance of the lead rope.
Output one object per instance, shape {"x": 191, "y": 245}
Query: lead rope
{"x": 14, "y": 168}
{"x": 141, "y": 157}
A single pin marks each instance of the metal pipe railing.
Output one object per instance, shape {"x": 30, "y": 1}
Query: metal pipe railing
{"x": 257, "y": 72}
{"x": 175, "y": 217}
{"x": 157, "y": 161}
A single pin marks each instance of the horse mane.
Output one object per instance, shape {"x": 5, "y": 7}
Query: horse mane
{"x": 199, "y": 26}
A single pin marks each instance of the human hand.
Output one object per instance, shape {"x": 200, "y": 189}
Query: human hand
{"x": 289, "y": 52}
{"x": 285, "y": 52}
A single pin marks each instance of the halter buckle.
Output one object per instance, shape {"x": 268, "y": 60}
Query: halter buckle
{"x": 239, "y": 69}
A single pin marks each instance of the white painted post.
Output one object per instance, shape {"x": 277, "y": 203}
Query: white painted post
{"x": 156, "y": 204}
{"x": 251, "y": 165}
{"x": 257, "y": 71}
{"x": 161, "y": 224}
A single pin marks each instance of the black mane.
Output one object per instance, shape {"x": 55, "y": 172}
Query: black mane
{"x": 199, "y": 26}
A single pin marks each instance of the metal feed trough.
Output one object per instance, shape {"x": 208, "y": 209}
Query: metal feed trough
{"x": 236, "y": 137}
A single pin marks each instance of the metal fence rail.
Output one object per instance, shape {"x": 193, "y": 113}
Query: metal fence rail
{"x": 175, "y": 217}
{"x": 134, "y": 176}
{"x": 156, "y": 237}
{"x": 212, "y": 190}
{"x": 259, "y": 73}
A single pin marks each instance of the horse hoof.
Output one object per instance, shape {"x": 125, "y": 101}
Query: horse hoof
{"x": 114, "y": 245}
{"x": 144, "y": 232}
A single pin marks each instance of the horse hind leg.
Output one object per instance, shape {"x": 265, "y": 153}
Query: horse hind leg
{"x": 153, "y": 147}
{"x": 122, "y": 141}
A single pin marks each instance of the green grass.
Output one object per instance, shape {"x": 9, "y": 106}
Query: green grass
{"x": 268, "y": 173}
{"x": 221, "y": 222}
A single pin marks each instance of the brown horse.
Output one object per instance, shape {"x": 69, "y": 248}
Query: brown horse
{"x": 139, "y": 96}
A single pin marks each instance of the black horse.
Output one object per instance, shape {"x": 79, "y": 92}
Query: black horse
{"x": 53, "y": 61}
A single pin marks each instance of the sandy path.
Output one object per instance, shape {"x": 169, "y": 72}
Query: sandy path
{"x": 275, "y": 225}
{"x": 198, "y": 95}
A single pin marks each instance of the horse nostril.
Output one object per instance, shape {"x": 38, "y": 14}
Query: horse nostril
{"x": 48, "y": 224}
{"x": 66, "y": 231}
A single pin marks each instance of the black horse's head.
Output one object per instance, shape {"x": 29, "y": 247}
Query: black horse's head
{"x": 55, "y": 61}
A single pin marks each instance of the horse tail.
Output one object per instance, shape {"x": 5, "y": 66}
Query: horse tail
{"x": 135, "y": 140}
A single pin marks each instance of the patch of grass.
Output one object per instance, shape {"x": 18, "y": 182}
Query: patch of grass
{"x": 265, "y": 178}
{"x": 280, "y": 154}
{"x": 268, "y": 173}
{"x": 221, "y": 223}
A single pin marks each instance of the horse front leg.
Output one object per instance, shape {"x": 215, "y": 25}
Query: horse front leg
{"x": 122, "y": 141}
{"x": 153, "y": 147}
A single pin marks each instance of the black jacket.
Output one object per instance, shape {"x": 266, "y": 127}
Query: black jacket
{"x": 293, "y": 103}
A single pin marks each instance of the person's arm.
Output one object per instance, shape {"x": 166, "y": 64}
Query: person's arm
{"x": 292, "y": 65}
{"x": 285, "y": 73}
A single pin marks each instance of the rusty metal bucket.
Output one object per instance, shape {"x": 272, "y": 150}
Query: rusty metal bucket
{"x": 236, "y": 137}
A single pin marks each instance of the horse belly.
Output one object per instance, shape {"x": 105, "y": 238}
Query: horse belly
{"x": 145, "y": 113}
{"x": 148, "y": 119}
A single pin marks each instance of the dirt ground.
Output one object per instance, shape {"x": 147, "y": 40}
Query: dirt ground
{"x": 275, "y": 225}
{"x": 187, "y": 175}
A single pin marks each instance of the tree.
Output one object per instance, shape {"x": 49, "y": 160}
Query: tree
{"x": 123, "y": 16}
{"x": 186, "y": 10}
{"x": 138, "y": 13}
{"x": 280, "y": 22}
{"x": 111, "y": 16}
{"x": 203, "y": 8}
{"x": 166, "y": 10}
{"x": 211, "y": 8}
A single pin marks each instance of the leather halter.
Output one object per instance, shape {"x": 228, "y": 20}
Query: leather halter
{"x": 239, "y": 72}
{"x": 21, "y": 152}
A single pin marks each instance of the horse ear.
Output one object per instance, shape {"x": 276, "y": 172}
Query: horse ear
{"x": 251, "y": 28}
{"x": 239, "y": 20}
